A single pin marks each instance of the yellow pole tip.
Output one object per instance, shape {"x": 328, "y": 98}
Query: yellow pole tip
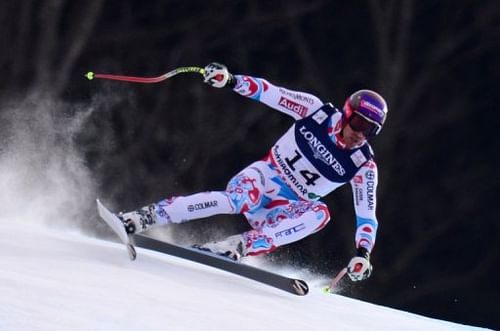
{"x": 89, "y": 75}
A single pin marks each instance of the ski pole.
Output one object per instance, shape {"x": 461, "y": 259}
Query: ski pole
{"x": 91, "y": 75}
{"x": 335, "y": 281}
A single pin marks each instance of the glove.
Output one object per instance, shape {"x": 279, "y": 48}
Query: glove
{"x": 359, "y": 267}
{"x": 217, "y": 75}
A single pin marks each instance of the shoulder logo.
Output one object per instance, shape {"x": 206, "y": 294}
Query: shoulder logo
{"x": 320, "y": 116}
{"x": 358, "y": 158}
{"x": 293, "y": 106}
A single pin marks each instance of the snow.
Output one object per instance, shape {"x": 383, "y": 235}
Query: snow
{"x": 58, "y": 279}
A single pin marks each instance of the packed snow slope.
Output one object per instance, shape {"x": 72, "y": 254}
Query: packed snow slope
{"x": 54, "y": 279}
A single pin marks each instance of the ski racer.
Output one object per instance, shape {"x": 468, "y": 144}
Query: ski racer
{"x": 280, "y": 194}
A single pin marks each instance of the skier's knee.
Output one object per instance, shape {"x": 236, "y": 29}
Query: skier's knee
{"x": 322, "y": 215}
{"x": 245, "y": 193}
{"x": 294, "y": 222}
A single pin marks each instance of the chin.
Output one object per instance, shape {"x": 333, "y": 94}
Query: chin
{"x": 354, "y": 144}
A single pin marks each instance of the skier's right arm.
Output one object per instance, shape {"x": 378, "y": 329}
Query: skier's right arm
{"x": 293, "y": 103}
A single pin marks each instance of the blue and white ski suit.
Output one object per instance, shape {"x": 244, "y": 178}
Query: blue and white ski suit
{"x": 280, "y": 194}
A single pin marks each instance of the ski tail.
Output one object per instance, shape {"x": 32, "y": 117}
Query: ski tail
{"x": 117, "y": 226}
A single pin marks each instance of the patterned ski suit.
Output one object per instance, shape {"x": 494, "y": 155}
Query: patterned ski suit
{"x": 279, "y": 195}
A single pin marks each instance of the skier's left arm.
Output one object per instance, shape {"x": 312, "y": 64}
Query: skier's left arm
{"x": 364, "y": 187}
{"x": 293, "y": 103}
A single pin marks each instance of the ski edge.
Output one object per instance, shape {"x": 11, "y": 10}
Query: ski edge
{"x": 291, "y": 285}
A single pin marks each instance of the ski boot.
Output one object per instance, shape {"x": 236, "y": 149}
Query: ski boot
{"x": 231, "y": 247}
{"x": 138, "y": 220}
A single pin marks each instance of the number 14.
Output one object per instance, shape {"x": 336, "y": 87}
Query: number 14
{"x": 310, "y": 177}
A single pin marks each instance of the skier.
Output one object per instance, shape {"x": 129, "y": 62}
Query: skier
{"x": 280, "y": 195}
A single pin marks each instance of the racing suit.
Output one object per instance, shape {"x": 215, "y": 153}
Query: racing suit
{"x": 280, "y": 194}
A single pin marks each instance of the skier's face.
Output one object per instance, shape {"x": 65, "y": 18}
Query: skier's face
{"x": 352, "y": 138}
{"x": 359, "y": 123}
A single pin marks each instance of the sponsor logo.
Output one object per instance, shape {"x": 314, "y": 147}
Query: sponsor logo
{"x": 358, "y": 179}
{"x": 313, "y": 196}
{"x": 370, "y": 189}
{"x": 293, "y": 106}
{"x": 297, "y": 96}
{"x": 288, "y": 172}
{"x": 321, "y": 152}
{"x": 320, "y": 116}
{"x": 371, "y": 107}
{"x": 358, "y": 158}
{"x": 202, "y": 205}
{"x": 358, "y": 195}
{"x": 290, "y": 231}
{"x": 370, "y": 175}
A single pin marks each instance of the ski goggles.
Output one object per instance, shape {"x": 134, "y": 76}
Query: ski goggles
{"x": 361, "y": 124}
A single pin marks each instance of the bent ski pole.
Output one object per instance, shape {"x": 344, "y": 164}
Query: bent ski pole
{"x": 335, "y": 281}
{"x": 91, "y": 75}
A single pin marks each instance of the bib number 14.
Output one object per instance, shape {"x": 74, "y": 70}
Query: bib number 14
{"x": 309, "y": 176}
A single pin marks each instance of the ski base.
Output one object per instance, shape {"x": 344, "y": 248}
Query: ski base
{"x": 291, "y": 285}
{"x": 117, "y": 226}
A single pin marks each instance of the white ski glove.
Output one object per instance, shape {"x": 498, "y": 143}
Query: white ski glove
{"x": 217, "y": 75}
{"x": 359, "y": 267}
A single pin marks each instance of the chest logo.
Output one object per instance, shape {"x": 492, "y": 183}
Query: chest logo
{"x": 321, "y": 152}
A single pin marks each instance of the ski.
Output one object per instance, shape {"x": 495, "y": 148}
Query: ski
{"x": 291, "y": 285}
{"x": 117, "y": 226}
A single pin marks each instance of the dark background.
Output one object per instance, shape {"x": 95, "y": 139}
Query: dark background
{"x": 436, "y": 62}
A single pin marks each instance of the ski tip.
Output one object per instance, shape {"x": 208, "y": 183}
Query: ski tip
{"x": 300, "y": 287}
